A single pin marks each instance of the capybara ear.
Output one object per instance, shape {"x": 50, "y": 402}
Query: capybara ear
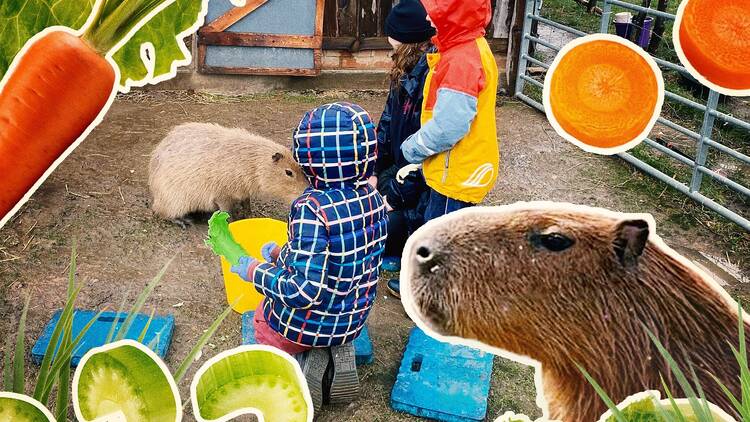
{"x": 277, "y": 156}
{"x": 630, "y": 240}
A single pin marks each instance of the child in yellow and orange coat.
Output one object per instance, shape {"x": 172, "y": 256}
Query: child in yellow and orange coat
{"x": 457, "y": 145}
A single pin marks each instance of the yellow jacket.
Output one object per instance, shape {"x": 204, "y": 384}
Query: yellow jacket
{"x": 457, "y": 144}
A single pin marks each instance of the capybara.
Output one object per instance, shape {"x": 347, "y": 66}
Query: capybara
{"x": 560, "y": 284}
{"x": 202, "y": 167}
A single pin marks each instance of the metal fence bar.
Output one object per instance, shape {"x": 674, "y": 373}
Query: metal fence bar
{"x": 701, "y": 153}
{"x": 646, "y": 10}
{"x": 536, "y": 40}
{"x": 672, "y": 125}
{"x": 557, "y": 25}
{"x": 532, "y": 81}
{"x": 703, "y": 141}
{"x": 696, "y": 196}
{"x": 730, "y": 119}
{"x": 535, "y": 61}
{"x": 661, "y": 148}
{"x": 725, "y": 149}
{"x": 530, "y": 101}
{"x": 725, "y": 181}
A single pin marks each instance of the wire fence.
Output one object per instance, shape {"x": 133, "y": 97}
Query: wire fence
{"x": 703, "y": 140}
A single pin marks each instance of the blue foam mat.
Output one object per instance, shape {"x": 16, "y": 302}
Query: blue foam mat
{"x": 97, "y": 333}
{"x": 362, "y": 344}
{"x": 441, "y": 381}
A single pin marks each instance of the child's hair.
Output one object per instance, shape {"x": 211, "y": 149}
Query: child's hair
{"x": 405, "y": 58}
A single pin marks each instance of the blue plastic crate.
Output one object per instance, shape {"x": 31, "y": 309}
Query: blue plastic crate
{"x": 441, "y": 381}
{"x": 362, "y": 345}
{"x": 97, "y": 333}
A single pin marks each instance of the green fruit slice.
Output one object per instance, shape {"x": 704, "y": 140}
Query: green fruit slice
{"x": 642, "y": 407}
{"x": 20, "y": 408}
{"x": 253, "y": 379}
{"x": 125, "y": 380}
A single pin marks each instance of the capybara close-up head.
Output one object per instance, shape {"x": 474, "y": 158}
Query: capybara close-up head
{"x": 566, "y": 285}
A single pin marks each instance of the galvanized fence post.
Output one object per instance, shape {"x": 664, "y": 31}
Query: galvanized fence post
{"x": 525, "y": 32}
{"x": 606, "y": 12}
{"x": 701, "y": 153}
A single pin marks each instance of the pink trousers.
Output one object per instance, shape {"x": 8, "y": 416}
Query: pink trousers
{"x": 264, "y": 334}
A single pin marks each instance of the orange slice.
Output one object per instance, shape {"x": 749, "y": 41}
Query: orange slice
{"x": 712, "y": 40}
{"x": 603, "y": 93}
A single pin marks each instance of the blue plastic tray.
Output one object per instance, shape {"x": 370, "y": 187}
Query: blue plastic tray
{"x": 362, "y": 345}
{"x": 97, "y": 333}
{"x": 441, "y": 381}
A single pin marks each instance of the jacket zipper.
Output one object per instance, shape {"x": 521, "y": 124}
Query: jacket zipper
{"x": 445, "y": 169}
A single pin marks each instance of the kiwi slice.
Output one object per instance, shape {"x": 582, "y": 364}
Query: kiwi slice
{"x": 252, "y": 379}
{"x": 20, "y": 408}
{"x": 125, "y": 380}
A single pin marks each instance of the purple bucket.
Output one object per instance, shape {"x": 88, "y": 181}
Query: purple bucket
{"x": 623, "y": 29}
{"x": 645, "y": 35}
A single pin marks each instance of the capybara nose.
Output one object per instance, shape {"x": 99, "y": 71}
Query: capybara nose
{"x": 424, "y": 254}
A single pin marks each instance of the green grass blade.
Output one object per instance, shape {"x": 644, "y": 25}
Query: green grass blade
{"x": 600, "y": 391}
{"x": 145, "y": 329}
{"x": 679, "y": 375}
{"x": 154, "y": 343}
{"x": 701, "y": 395}
{"x": 742, "y": 360}
{"x": 44, "y": 368}
{"x": 664, "y": 416}
{"x": 72, "y": 269}
{"x": 675, "y": 408}
{"x": 140, "y": 301}
{"x": 744, "y": 376}
{"x": 113, "y": 327}
{"x": 63, "y": 383}
{"x": 745, "y": 413}
{"x": 7, "y": 368}
{"x": 63, "y": 357}
{"x": 185, "y": 365}
{"x": 20, "y": 356}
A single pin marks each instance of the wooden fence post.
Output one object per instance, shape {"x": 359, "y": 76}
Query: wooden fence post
{"x": 514, "y": 43}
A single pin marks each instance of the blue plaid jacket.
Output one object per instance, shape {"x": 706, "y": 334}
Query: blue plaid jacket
{"x": 320, "y": 290}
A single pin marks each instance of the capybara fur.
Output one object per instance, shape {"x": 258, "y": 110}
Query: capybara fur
{"x": 563, "y": 284}
{"x": 202, "y": 167}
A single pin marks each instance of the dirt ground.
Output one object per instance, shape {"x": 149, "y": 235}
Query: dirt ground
{"x": 99, "y": 196}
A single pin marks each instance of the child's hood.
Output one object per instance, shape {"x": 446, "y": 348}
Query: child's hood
{"x": 458, "y": 21}
{"x": 336, "y": 146}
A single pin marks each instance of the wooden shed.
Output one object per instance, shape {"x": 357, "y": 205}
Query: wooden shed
{"x": 310, "y": 37}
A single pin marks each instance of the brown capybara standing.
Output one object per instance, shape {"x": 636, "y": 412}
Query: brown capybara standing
{"x": 563, "y": 284}
{"x": 202, "y": 167}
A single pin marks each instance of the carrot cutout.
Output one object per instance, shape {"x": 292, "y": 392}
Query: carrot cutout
{"x": 603, "y": 94}
{"x": 58, "y": 88}
{"x": 712, "y": 40}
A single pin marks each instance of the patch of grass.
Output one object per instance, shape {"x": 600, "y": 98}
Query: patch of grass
{"x": 513, "y": 388}
{"x": 678, "y": 209}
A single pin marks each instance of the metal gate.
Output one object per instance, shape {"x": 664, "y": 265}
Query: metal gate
{"x": 703, "y": 141}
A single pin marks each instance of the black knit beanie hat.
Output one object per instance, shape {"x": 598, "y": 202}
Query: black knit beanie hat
{"x": 407, "y": 23}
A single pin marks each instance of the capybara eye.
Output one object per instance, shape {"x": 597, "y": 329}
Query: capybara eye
{"x": 289, "y": 173}
{"x": 554, "y": 242}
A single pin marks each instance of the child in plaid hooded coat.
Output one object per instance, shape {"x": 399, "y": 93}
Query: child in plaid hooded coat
{"x": 320, "y": 286}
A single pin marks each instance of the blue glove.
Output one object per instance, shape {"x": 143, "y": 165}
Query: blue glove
{"x": 243, "y": 268}
{"x": 270, "y": 252}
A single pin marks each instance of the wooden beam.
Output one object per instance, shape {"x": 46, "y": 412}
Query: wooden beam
{"x": 253, "y": 39}
{"x": 346, "y": 43}
{"x": 514, "y": 44}
{"x": 271, "y": 71}
{"x": 233, "y": 16}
